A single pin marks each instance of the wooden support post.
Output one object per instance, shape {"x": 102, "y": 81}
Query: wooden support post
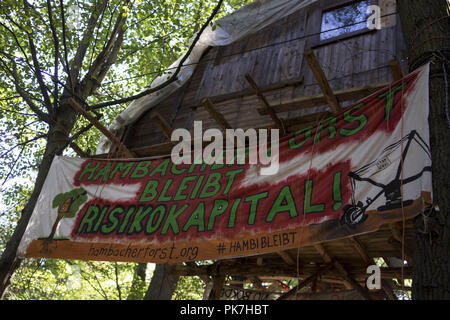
{"x": 350, "y": 282}
{"x": 209, "y": 106}
{"x": 322, "y": 80}
{"x": 279, "y": 123}
{"x": 162, "y": 124}
{"x": 396, "y": 70}
{"x": 216, "y": 291}
{"x": 100, "y": 127}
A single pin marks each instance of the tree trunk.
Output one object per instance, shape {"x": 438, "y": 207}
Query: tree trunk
{"x": 162, "y": 285}
{"x": 426, "y": 28}
{"x": 55, "y": 144}
{"x": 138, "y": 283}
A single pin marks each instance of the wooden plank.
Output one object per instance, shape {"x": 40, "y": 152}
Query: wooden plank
{"x": 220, "y": 119}
{"x": 396, "y": 70}
{"x": 100, "y": 127}
{"x": 279, "y": 123}
{"x": 320, "y": 99}
{"x": 162, "y": 124}
{"x": 322, "y": 81}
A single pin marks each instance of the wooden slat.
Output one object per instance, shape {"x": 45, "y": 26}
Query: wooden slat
{"x": 220, "y": 119}
{"x": 279, "y": 123}
{"x": 100, "y": 127}
{"x": 162, "y": 124}
{"x": 322, "y": 80}
{"x": 320, "y": 100}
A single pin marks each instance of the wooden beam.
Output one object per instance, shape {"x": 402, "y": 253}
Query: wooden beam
{"x": 320, "y": 100}
{"x": 368, "y": 261}
{"x": 307, "y": 281}
{"x": 277, "y": 271}
{"x": 246, "y": 92}
{"x": 359, "y": 274}
{"x": 286, "y": 258}
{"x": 279, "y": 123}
{"x": 100, "y": 127}
{"x": 349, "y": 280}
{"x": 396, "y": 70}
{"x": 361, "y": 250}
{"x": 216, "y": 292}
{"x": 162, "y": 124}
{"x": 78, "y": 150}
{"x": 322, "y": 80}
{"x": 220, "y": 119}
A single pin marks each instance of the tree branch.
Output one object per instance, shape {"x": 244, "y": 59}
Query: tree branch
{"x": 105, "y": 58}
{"x": 40, "y": 114}
{"x": 173, "y": 76}
{"x": 85, "y": 41}
{"x": 37, "y": 66}
{"x": 56, "y": 42}
{"x": 66, "y": 60}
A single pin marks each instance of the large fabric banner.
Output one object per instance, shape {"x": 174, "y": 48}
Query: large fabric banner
{"x": 350, "y": 173}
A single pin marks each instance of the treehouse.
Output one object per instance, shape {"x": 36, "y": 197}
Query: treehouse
{"x": 302, "y": 67}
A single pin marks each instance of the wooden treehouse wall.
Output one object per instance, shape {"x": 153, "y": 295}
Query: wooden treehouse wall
{"x": 274, "y": 59}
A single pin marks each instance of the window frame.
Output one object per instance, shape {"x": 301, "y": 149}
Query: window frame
{"x": 317, "y": 42}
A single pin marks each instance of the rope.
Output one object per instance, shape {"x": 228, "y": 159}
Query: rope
{"x": 303, "y": 220}
{"x": 420, "y": 31}
{"x": 402, "y": 104}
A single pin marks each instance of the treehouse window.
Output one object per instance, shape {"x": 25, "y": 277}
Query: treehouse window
{"x": 344, "y": 20}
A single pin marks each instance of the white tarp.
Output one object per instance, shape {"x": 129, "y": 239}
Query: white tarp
{"x": 245, "y": 21}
